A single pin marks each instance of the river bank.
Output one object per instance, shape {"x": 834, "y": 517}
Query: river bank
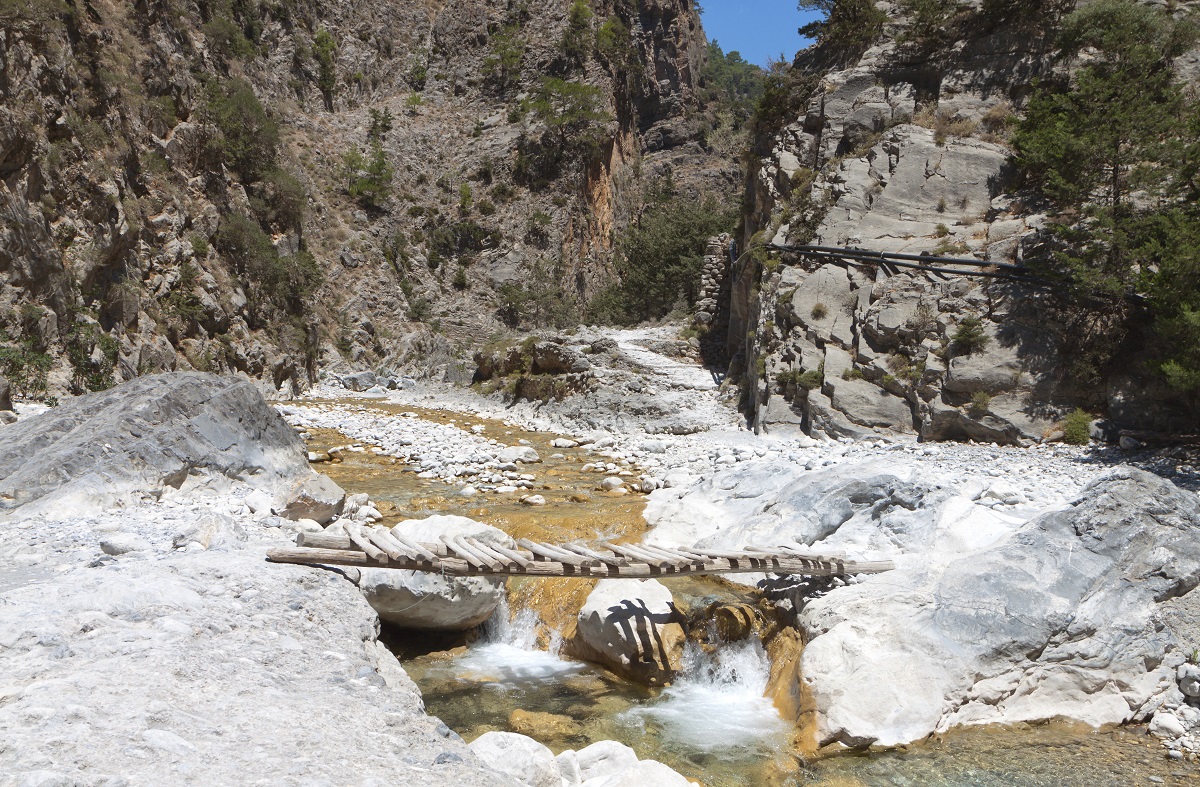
{"x": 135, "y": 524}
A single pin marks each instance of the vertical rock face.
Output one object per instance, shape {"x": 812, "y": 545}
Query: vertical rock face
{"x": 121, "y": 168}
{"x": 903, "y": 148}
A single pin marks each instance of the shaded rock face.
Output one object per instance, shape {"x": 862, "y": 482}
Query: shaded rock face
{"x": 150, "y": 252}
{"x": 900, "y": 150}
{"x": 5, "y": 395}
{"x": 884, "y": 354}
{"x": 142, "y": 437}
{"x": 421, "y": 600}
{"x": 1058, "y": 619}
{"x": 632, "y": 627}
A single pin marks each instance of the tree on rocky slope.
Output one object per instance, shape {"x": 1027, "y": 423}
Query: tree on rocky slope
{"x": 1115, "y": 153}
{"x": 848, "y": 26}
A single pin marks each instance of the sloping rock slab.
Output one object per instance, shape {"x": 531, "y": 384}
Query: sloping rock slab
{"x": 107, "y": 448}
{"x": 1061, "y": 618}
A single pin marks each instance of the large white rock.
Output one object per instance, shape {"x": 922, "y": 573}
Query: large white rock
{"x": 601, "y": 759}
{"x": 418, "y": 599}
{"x": 645, "y": 773}
{"x": 518, "y": 453}
{"x": 518, "y": 756}
{"x": 988, "y": 618}
{"x": 632, "y": 627}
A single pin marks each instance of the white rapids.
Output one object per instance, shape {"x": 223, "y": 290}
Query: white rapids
{"x": 717, "y": 704}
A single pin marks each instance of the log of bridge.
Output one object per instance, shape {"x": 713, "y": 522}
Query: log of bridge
{"x": 454, "y": 566}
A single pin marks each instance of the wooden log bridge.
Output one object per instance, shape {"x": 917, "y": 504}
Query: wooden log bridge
{"x": 378, "y": 547}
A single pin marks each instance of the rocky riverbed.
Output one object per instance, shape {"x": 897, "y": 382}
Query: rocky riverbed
{"x": 1031, "y": 583}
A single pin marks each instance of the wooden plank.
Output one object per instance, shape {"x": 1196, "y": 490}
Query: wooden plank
{"x": 354, "y": 531}
{"x": 465, "y": 553}
{"x": 614, "y": 560}
{"x": 785, "y": 549}
{"x": 415, "y": 547}
{"x": 550, "y": 554}
{"x": 513, "y": 555}
{"x": 737, "y": 554}
{"x": 382, "y": 544}
{"x": 671, "y": 554}
{"x": 324, "y": 541}
{"x": 633, "y": 553}
{"x": 381, "y": 539}
{"x": 486, "y": 551}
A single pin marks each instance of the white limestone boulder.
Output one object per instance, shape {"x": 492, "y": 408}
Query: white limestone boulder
{"x": 423, "y": 600}
{"x": 632, "y": 627}
{"x": 518, "y": 756}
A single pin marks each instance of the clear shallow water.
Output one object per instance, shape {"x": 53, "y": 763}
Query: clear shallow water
{"x": 714, "y": 717}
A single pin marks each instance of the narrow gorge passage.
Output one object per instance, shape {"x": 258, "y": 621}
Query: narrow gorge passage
{"x": 714, "y": 723}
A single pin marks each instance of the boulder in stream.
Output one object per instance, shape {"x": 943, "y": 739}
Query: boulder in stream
{"x": 632, "y": 627}
{"x": 423, "y": 600}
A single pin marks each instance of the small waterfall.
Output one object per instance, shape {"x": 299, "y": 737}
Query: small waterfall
{"x": 508, "y": 654}
{"x": 717, "y": 703}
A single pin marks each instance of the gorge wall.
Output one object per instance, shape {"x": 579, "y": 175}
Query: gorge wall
{"x": 277, "y": 188}
{"x": 902, "y": 145}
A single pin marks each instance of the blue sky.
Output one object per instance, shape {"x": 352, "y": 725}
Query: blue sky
{"x": 758, "y": 29}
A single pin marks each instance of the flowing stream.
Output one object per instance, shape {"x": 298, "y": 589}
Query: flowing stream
{"x": 713, "y": 724}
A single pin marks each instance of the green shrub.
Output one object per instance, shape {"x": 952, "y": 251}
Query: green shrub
{"x": 199, "y": 246}
{"x": 1077, "y": 427}
{"x": 461, "y": 237}
{"x": 182, "y": 302}
{"x": 92, "y": 371}
{"x": 848, "y": 27}
{"x": 941, "y": 230}
{"x": 970, "y": 336}
{"x": 502, "y": 66}
{"x": 416, "y": 77}
{"x": 368, "y": 178}
{"x": 812, "y": 379}
{"x": 486, "y": 208}
{"x": 324, "y": 52}
{"x": 578, "y": 39}
{"x": 381, "y": 124}
{"x": 819, "y": 311}
{"x": 282, "y": 282}
{"x": 852, "y": 373}
{"x": 227, "y": 40}
{"x": 464, "y": 197}
{"x": 280, "y": 200}
{"x": 980, "y": 401}
{"x": 419, "y": 309}
{"x": 573, "y": 112}
{"x": 460, "y": 278}
{"x": 248, "y": 139}
{"x": 659, "y": 258}
{"x": 26, "y": 368}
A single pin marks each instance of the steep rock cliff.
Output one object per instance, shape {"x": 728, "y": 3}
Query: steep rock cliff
{"x": 280, "y": 188}
{"x": 901, "y": 145}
